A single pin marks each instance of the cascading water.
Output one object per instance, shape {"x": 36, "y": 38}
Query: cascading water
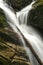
{"x": 22, "y": 15}
{"x": 28, "y": 32}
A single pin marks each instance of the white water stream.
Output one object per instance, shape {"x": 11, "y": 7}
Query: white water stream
{"x": 28, "y": 32}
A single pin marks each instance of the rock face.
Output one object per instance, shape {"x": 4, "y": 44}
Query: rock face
{"x": 35, "y": 16}
{"x": 11, "y": 54}
{"x": 18, "y": 4}
{"x": 12, "y": 51}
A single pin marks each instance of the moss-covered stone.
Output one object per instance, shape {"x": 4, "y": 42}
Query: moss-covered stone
{"x": 38, "y": 2}
{"x": 18, "y": 4}
{"x": 35, "y": 16}
{"x": 3, "y": 61}
{"x": 3, "y": 20}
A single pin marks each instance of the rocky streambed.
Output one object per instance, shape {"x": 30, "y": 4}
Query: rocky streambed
{"x": 12, "y": 51}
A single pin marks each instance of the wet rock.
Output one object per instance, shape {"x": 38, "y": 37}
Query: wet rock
{"x": 3, "y": 22}
{"x": 11, "y": 50}
{"x": 11, "y": 54}
{"x": 18, "y": 4}
{"x": 10, "y": 36}
{"x": 35, "y": 16}
{"x": 6, "y": 32}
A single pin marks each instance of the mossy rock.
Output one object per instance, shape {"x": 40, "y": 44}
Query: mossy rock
{"x": 18, "y": 4}
{"x": 3, "y": 61}
{"x": 11, "y": 54}
{"x": 38, "y": 2}
{"x": 3, "y": 20}
{"x": 35, "y": 16}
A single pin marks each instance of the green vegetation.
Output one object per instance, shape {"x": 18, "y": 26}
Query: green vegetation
{"x": 3, "y": 61}
{"x": 3, "y": 22}
{"x": 38, "y": 3}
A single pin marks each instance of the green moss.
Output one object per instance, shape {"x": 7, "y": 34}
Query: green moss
{"x": 2, "y": 47}
{"x": 3, "y": 22}
{"x": 3, "y": 61}
{"x": 37, "y": 3}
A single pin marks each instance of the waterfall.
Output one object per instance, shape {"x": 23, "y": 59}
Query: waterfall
{"x": 22, "y": 15}
{"x": 28, "y": 32}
